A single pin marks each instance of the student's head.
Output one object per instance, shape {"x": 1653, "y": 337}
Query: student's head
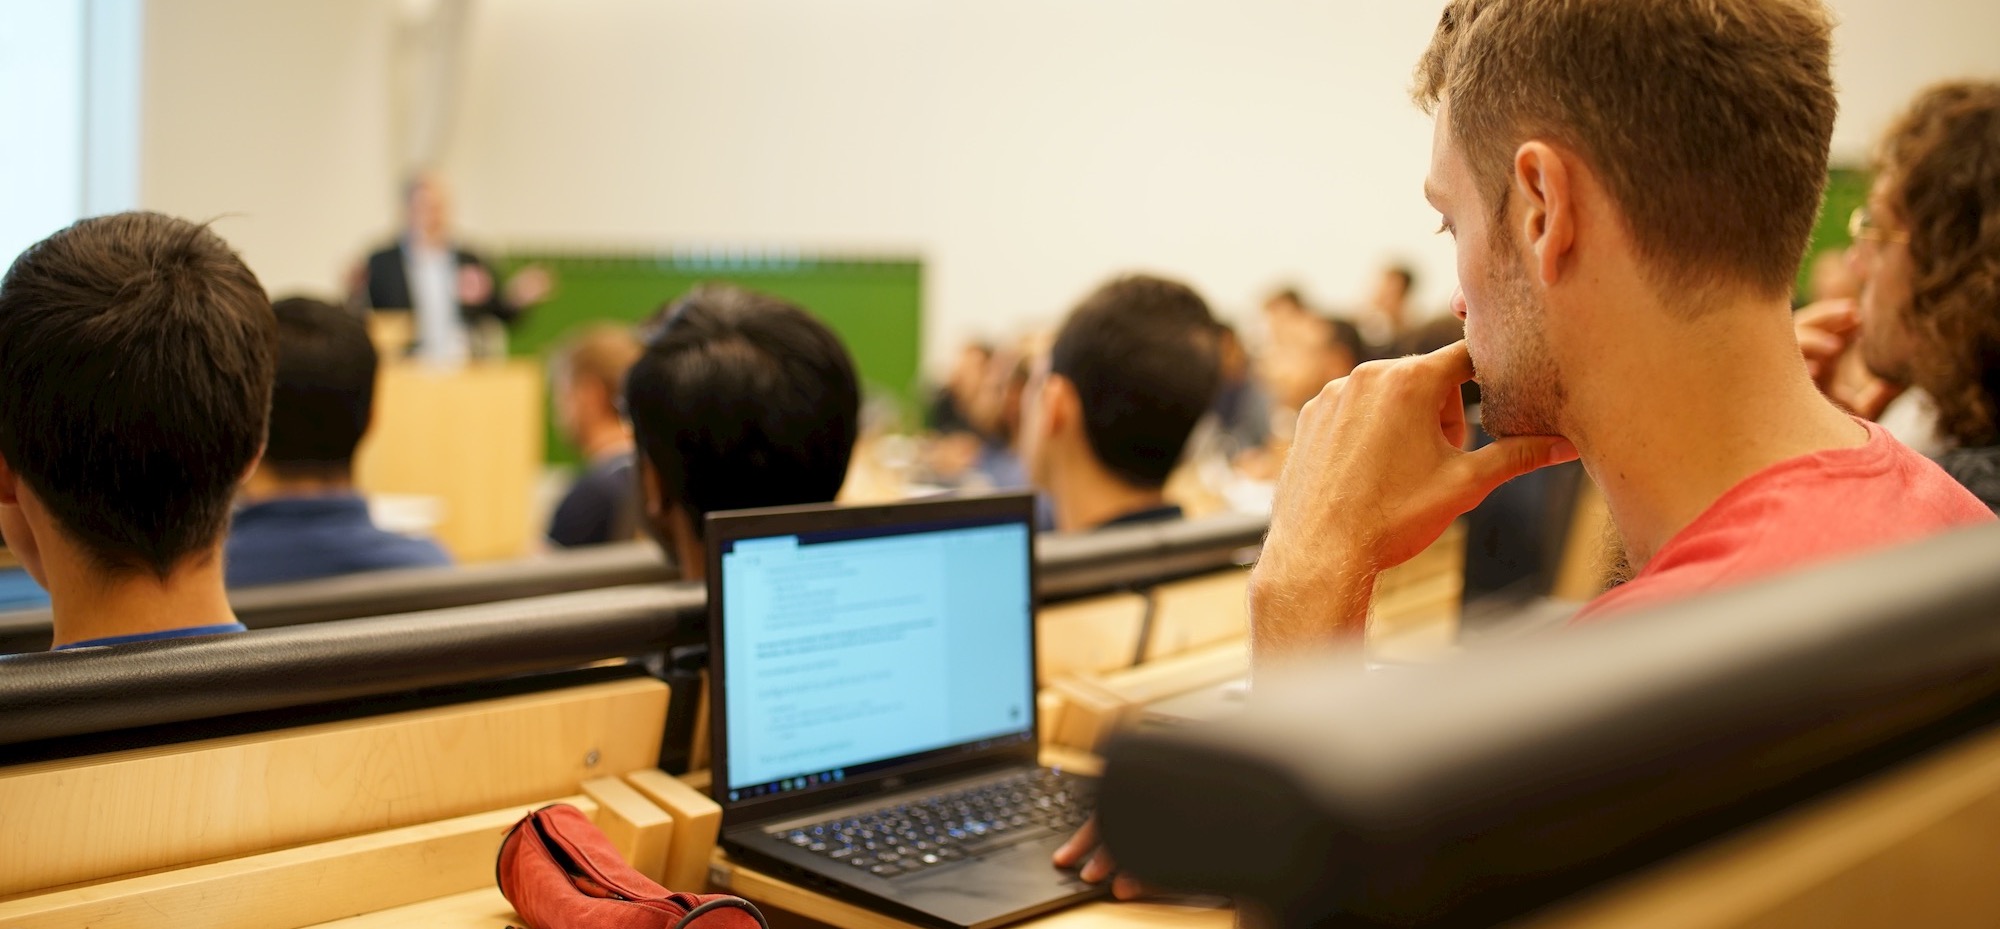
{"x": 324, "y": 395}
{"x": 1131, "y": 371}
{"x": 135, "y": 386}
{"x": 1927, "y": 251}
{"x": 1285, "y": 301}
{"x": 588, "y": 374}
{"x": 1597, "y": 152}
{"x": 741, "y": 400}
{"x": 1324, "y": 349}
{"x": 427, "y": 207}
{"x": 1392, "y": 289}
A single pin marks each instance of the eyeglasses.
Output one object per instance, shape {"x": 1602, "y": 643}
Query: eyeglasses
{"x": 1861, "y": 228}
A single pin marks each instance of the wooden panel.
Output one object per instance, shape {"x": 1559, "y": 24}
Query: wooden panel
{"x": 471, "y": 438}
{"x": 1913, "y": 847}
{"x": 1585, "y": 566}
{"x": 772, "y": 893}
{"x": 698, "y": 751}
{"x": 1181, "y": 674}
{"x": 479, "y": 909}
{"x": 1049, "y": 706}
{"x": 697, "y": 822}
{"x": 1198, "y": 612}
{"x": 291, "y": 888}
{"x": 1089, "y": 714}
{"x": 1088, "y": 636}
{"x": 1415, "y": 612}
{"x": 120, "y": 813}
{"x": 640, "y": 831}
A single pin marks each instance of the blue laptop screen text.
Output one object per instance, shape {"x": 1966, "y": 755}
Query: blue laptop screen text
{"x": 848, "y": 653}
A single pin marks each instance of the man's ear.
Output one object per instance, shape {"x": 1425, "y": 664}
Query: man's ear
{"x": 650, "y": 497}
{"x": 1062, "y": 410}
{"x": 256, "y": 461}
{"x": 1543, "y": 179}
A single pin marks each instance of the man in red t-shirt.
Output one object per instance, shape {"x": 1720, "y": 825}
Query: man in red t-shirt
{"x": 1630, "y": 187}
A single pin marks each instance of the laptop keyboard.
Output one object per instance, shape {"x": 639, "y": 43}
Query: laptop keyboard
{"x": 911, "y": 837}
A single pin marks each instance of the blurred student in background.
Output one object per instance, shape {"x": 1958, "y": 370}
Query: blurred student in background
{"x": 301, "y": 516}
{"x": 18, "y": 590}
{"x": 1927, "y": 253}
{"x": 447, "y": 289}
{"x": 588, "y": 375}
{"x": 135, "y": 381}
{"x": 740, "y": 400}
{"x": 1387, "y": 317}
{"x": 1109, "y": 409}
{"x": 1325, "y": 351}
{"x": 1242, "y": 404}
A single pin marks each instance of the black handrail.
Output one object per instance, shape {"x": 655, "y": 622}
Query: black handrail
{"x": 1472, "y": 792}
{"x": 1070, "y": 567}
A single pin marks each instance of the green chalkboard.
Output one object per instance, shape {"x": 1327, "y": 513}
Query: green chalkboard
{"x": 1846, "y": 189}
{"x": 876, "y": 306}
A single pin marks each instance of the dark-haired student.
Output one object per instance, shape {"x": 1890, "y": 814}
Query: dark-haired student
{"x": 135, "y": 380}
{"x": 589, "y": 378}
{"x": 741, "y": 400}
{"x": 1110, "y": 409}
{"x": 302, "y": 518}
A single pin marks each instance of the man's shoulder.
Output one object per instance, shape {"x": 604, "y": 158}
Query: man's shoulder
{"x": 303, "y": 543}
{"x": 1803, "y": 512}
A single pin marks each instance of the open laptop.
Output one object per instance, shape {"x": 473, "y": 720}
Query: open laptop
{"x": 873, "y": 708}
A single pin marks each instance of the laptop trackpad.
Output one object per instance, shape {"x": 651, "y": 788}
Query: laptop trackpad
{"x": 1014, "y": 878}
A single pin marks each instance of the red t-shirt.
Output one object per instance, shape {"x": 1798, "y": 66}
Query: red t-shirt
{"x": 1814, "y": 508}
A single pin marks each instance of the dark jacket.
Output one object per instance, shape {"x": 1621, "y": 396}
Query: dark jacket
{"x": 1979, "y": 470}
{"x": 388, "y": 286}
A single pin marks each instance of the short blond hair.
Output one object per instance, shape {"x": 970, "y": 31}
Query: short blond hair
{"x": 1709, "y": 120}
{"x": 600, "y": 353}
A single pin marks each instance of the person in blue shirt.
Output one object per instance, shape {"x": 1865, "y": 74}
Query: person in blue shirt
{"x": 301, "y": 517}
{"x": 1109, "y": 409}
{"x": 135, "y": 381}
{"x": 18, "y": 591}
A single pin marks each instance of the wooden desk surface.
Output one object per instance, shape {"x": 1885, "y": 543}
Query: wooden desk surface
{"x": 816, "y": 908}
{"x": 477, "y": 909}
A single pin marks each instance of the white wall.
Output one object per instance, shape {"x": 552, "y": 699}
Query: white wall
{"x": 1026, "y": 149}
{"x": 41, "y": 47}
{"x": 272, "y": 119}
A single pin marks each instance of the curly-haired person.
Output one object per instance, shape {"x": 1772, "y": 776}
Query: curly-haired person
{"x": 1927, "y": 250}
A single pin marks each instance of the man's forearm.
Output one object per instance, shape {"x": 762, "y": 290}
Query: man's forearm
{"x": 1307, "y": 602}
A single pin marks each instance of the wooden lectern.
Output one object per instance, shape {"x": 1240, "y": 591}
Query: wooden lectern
{"x": 470, "y": 437}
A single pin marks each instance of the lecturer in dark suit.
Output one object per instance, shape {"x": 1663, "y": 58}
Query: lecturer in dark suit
{"x": 446, "y": 289}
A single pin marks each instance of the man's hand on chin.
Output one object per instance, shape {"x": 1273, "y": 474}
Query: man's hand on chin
{"x": 1378, "y": 471}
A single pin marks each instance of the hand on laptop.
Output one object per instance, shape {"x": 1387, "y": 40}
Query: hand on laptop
{"x": 1378, "y": 471}
{"x": 1086, "y": 850}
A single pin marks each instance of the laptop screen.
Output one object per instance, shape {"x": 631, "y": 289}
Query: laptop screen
{"x": 855, "y": 650}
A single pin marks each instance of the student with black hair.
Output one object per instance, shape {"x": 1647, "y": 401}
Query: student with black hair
{"x": 135, "y": 382}
{"x": 302, "y": 518}
{"x": 1110, "y": 409}
{"x": 741, "y": 400}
